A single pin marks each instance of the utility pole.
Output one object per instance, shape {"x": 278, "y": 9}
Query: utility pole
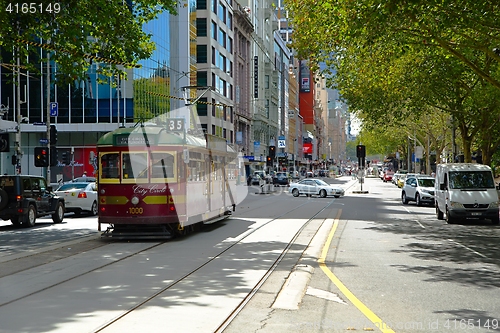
{"x": 19, "y": 152}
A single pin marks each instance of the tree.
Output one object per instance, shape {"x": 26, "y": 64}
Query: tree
{"x": 79, "y": 32}
{"x": 394, "y": 60}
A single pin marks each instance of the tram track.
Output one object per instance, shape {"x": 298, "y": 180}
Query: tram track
{"x": 234, "y": 313}
{"x": 228, "y": 246}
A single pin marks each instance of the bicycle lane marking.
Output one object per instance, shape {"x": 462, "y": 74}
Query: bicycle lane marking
{"x": 343, "y": 289}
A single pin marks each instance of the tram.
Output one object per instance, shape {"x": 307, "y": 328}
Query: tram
{"x": 160, "y": 182}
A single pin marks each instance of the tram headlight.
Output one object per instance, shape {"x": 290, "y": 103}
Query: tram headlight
{"x": 134, "y": 200}
{"x": 103, "y": 191}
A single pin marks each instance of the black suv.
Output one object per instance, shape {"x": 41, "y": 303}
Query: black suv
{"x": 24, "y": 198}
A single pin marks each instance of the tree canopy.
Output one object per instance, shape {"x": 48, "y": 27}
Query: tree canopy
{"x": 400, "y": 62}
{"x": 110, "y": 32}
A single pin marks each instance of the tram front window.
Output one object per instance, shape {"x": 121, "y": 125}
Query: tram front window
{"x": 110, "y": 166}
{"x": 134, "y": 165}
{"x": 162, "y": 165}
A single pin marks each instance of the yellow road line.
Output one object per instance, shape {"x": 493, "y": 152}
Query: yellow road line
{"x": 347, "y": 293}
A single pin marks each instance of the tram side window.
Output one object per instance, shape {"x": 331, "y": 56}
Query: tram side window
{"x": 134, "y": 165}
{"x": 110, "y": 166}
{"x": 162, "y": 165}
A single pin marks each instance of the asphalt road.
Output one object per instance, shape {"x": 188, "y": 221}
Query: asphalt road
{"x": 392, "y": 268}
{"x": 363, "y": 262}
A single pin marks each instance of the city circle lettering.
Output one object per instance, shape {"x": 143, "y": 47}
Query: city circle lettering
{"x": 152, "y": 189}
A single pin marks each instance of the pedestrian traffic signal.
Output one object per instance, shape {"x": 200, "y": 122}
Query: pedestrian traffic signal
{"x": 272, "y": 151}
{"x": 66, "y": 158}
{"x": 53, "y": 134}
{"x": 41, "y": 156}
{"x": 360, "y": 151}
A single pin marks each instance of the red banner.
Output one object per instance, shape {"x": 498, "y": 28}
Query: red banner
{"x": 307, "y": 148}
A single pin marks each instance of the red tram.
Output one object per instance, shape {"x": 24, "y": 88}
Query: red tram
{"x": 153, "y": 182}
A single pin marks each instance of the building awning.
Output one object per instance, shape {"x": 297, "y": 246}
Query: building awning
{"x": 8, "y": 126}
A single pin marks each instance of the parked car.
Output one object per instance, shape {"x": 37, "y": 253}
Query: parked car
{"x": 23, "y": 198}
{"x": 79, "y": 197}
{"x": 281, "y": 178}
{"x": 419, "y": 189}
{"x": 315, "y": 186}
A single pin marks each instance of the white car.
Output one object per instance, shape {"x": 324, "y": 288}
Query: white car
{"x": 419, "y": 189}
{"x": 79, "y": 196}
{"x": 313, "y": 186}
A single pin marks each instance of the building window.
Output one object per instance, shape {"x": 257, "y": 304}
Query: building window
{"x": 214, "y": 6}
{"x": 201, "y": 4}
{"x": 222, "y": 12}
{"x": 230, "y": 45}
{"x": 230, "y": 21}
{"x": 214, "y": 56}
{"x": 214, "y": 107}
{"x": 224, "y": 133}
{"x": 214, "y": 30}
{"x": 202, "y": 79}
{"x": 201, "y": 27}
{"x": 213, "y": 129}
{"x": 201, "y": 54}
{"x": 204, "y": 128}
{"x": 202, "y": 107}
{"x": 222, "y": 38}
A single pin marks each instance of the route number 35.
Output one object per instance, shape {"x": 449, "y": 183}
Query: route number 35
{"x": 176, "y": 124}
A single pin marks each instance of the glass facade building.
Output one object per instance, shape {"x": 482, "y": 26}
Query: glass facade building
{"x": 90, "y": 107}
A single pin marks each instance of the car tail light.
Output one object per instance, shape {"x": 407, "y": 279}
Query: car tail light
{"x": 19, "y": 198}
{"x": 82, "y": 195}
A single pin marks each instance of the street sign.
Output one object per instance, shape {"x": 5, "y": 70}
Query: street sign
{"x": 281, "y": 141}
{"x": 53, "y": 109}
{"x": 40, "y": 123}
{"x": 44, "y": 141}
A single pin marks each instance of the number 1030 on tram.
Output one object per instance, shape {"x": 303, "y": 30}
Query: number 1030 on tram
{"x": 158, "y": 183}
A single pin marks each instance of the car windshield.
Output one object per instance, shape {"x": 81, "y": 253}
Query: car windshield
{"x": 471, "y": 179}
{"x": 426, "y": 182}
{"x": 321, "y": 182}
{"x": 75, "y": 186}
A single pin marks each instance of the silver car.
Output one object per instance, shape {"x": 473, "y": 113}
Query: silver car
{"x": 79, "y": 197}
{"x": 419, "y": 189}
{"x": 314, "y": 186}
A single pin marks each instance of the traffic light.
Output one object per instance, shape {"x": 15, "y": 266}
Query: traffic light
{"x": 53, "y": 134}
{"x": 272, "y": 151}
{"x": 360, "y": 151}
{"x": 41, "y": 156}
{"x": 269, "y": 161}
{"x": 53, "y": 156}
{"x": 66, "y": 158}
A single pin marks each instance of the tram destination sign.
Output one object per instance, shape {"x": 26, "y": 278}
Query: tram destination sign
{"x": 131, "y": 140}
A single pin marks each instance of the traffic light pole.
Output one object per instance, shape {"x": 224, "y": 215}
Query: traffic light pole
{"x": 47, "y": 175}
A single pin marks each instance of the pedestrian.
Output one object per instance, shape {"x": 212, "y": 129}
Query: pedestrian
{"x": 84, "y": 174}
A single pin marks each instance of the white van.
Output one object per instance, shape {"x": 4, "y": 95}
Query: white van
{"x": 465, "y": 190}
